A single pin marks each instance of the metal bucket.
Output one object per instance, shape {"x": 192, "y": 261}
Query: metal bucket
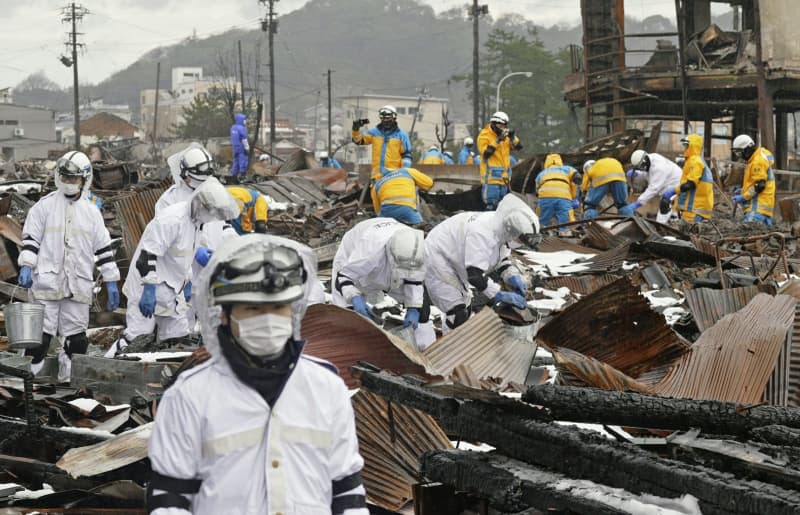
{"x": 24, "y": 323}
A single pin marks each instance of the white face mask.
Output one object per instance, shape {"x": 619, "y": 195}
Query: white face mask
{"x": 264, "y": 335}
{"x": 70, "y": 189}
{"x": 514, "y": 244}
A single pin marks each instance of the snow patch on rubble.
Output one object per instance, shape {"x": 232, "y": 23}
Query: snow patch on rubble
{"x": 628, "y": 502}
{"x": 670, "y": 306}
{"x": 629, "y": 266}
{"x": 555, "y": 299}
{"x": 152, "y": 357}
{"x": 30, "y": 494}
{"x": 274, "y": 205}
{"x": 557, "y": 263}
{"x": 466, "y": 446}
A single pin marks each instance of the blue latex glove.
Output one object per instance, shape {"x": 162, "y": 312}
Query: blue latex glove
{"x": 635, "y": 205}
{"x": 669, "y": 194}
{"x": 515, "y": 299}
{"x": 631, "y": 173}
{"x": 187, "y": 291}
{"x": 412, "y": 318}
{"x": 736, "y": 191}
{"x": 360, "y": 306}
{"x": 576, "y": 203}
{"x": 25, "y": 278}
{"x": 147, "y": 303}
{"x": 113, "y": 296}
{"x": 517, "y": 283}
{"x": 203, "y": 255}
{"x": 739, "y": 199}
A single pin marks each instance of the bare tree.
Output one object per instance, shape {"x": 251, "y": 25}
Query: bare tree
{"x": 446, "y": 123}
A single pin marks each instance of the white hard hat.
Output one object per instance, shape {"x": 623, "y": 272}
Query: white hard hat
{"x": 406, "y": 249}
{"x": 73, "y": 164}
{"x": 211, "y": 201}
{"x": 260, "y": 272}
{"x": 640, "y": 159}
{"x": 499, "y": 117}
{"x": 387, "y": 110}
{"x": 197, "y": 163}
{"x": 468, "y": 141}
{"x": 433, "y": 147}
{"x": 743, "y": 141}
{"x": 588, "y": 164}
{"x": 323, "y": 154}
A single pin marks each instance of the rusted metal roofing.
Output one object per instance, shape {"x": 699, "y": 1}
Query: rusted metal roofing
{"x": 608, "y": 261}
{"x": 391, "y": 439}
{"x": 483, "y": 344}
{"x": 583, "y": 285}
{"x": 733, "y": 360}
{"x": 134, "y": 213}
{"x": 293, "y": 190}
{"x": 794, "y": 362}
{"x": 124, "y": 449}
{"x": 555, "y": 244}
{"x": 708, "y": 306}
{"x": 594, "y": 373}
{"x": 616, "y": 326}
{"x": 599, "y": 237}
{"x": 344, "y": 337}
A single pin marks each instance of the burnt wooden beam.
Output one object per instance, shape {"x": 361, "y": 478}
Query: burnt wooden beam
{"x": 35, "y": 472}
{"x": 509, "y": 485}
{"x": 586, "y": 455}
{"x": 577, "y": 404}
{"x": 15, "y": 432}
{"x": 777, "y": 435}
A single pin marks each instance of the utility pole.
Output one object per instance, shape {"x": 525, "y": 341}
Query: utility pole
{"x": 475, "y": 12}
{"x": 155, "y": 111}
{"x": 330, "y": 113}
{"x": 241, "y": 74}
{"x": 270, "y": 26}
{"x": 422, "y": 94}
{"x": 74, "y": 13}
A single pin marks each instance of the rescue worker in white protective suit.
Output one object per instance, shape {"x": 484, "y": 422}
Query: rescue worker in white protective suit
{"x": 190, "y": 168}
{"x": 464, "y": 249}
{"x": 261, "y": 427}
{"x": 382, "y": 255}
{"x": 661, "y": 174}
{"x": 159, "y": 279}
{"x": 63, "y": 239}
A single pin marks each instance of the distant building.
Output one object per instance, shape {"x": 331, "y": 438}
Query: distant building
{"x": 6, "y": 95}
{"x": 106, "y": 126}
{"x": 27, "y": 132}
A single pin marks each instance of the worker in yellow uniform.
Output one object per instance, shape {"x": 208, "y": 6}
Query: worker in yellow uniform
{"x": 391, "y": 148}
{"x": 758, "y": 188}
{"x": 253, "y": 208}
{"x": 558, "y": 189}
{"x": 495, "y": 143}
{"x": 395, "y": 194}
{"x": 696, "y": 189}
{"x": 433, "y": 156}
{"x": 600, "y": 178}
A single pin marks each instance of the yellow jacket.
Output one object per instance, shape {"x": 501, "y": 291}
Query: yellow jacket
{"x": 700, "y": 200}
{"x": 253, "y": 207}
{"x": 603, "y": 171}
{"x": 759, "y": 168}
{"x": 399, "y": 187}
{"x": 555, "y": 180}
{"x": 390, "y": 149}
{"x": 497, "y": 168}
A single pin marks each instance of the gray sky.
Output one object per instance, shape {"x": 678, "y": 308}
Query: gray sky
{"x": 117, "y": 32}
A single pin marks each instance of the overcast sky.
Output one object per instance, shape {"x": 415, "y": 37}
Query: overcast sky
{"x": 117, "y": 32}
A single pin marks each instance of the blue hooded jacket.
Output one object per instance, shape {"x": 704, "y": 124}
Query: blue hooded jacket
{"x": 238, "y": 133}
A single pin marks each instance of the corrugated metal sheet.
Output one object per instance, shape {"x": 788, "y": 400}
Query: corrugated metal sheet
{"x": 599, "y": 237}
{"x": 124, "y": 449}
{"x": 584, "y": 284}
{"x": 344, "y": 337}
{"x": 616, "y": 326}
{"x": 483, "y": 344}
{"x": 608, "y": 261}
{"x": 134, "y": 213}
{"x": 293, "y": 190}
{"x": 391, "y": 443}
{"x": 708, "y": 306}
{"x": 594, "y": 373}
{"x": 733, "y": 360}
{"x": 794, "y": 362}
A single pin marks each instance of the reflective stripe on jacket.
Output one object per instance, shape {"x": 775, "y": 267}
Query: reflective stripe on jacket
{"x": 603, "y": 171}
{"x": 496, "y": 169}
{"x": 556, "y": 182}
{"x": 399, "y": 187}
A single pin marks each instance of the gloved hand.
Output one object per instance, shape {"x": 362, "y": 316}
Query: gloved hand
{"x": 631, "y": 173}
{"x": 246, "y": 145}
{"x": 503, "y": 135}
{"x": 739, "y": 199}
{"x": 147, "y": 303}
{"x": 635, "y": 205}
{"x": 203, "y": 255}
{"x": 25, "y": 278}
{"x": 508, "y": 297}
{"x": 261, "y": 227}
{"x": 360, "y": 306}
{"x": 187, "y": 291}
{"x": 511, "y": 134}
{"x": 412, "y": 318}
{"x": 113, "y": 296}
{"x": 665, "y": 206}
{"x": 576, "y": 203}
{"x": 517, "y": 283}
{"x": 737, "y": 191}
{"x": 669, "y": 194}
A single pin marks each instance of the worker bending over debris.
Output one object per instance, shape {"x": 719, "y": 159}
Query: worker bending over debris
{"x": 464, "y": 249}
{"x": 378, "y": 256}
{"x": 327, "y": 161}
{"x": 394, "y": 194}
{"x": 495, "y": 143}
{"x": 661, "y": 174}
{"x": 261, "y": 427}
{"x": 558, "y": 189}
{"x": 696, "y": 188}
{"x": 253, "y": 210}
{"x": 758, "y": 187}
{"x": 159, "y": 279}
{"x": 63, "y": 239}
{"x": 433, "y": 156}
{"x": 600, "y": 178}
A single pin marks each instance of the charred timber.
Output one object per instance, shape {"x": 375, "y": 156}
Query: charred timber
{"x": 509, "y": 485}
{"x": 578, "y": 404}
{"x": 778, "y": 435}
{"x": 585, "y": 455}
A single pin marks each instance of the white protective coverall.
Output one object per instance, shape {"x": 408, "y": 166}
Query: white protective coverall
{"x": 663, "y": 175}
{"x": 172, "y": 237}
{"x": 62, "y": 242}
{"x": 470, "y": 239}
{"x": 217, "y": 439}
